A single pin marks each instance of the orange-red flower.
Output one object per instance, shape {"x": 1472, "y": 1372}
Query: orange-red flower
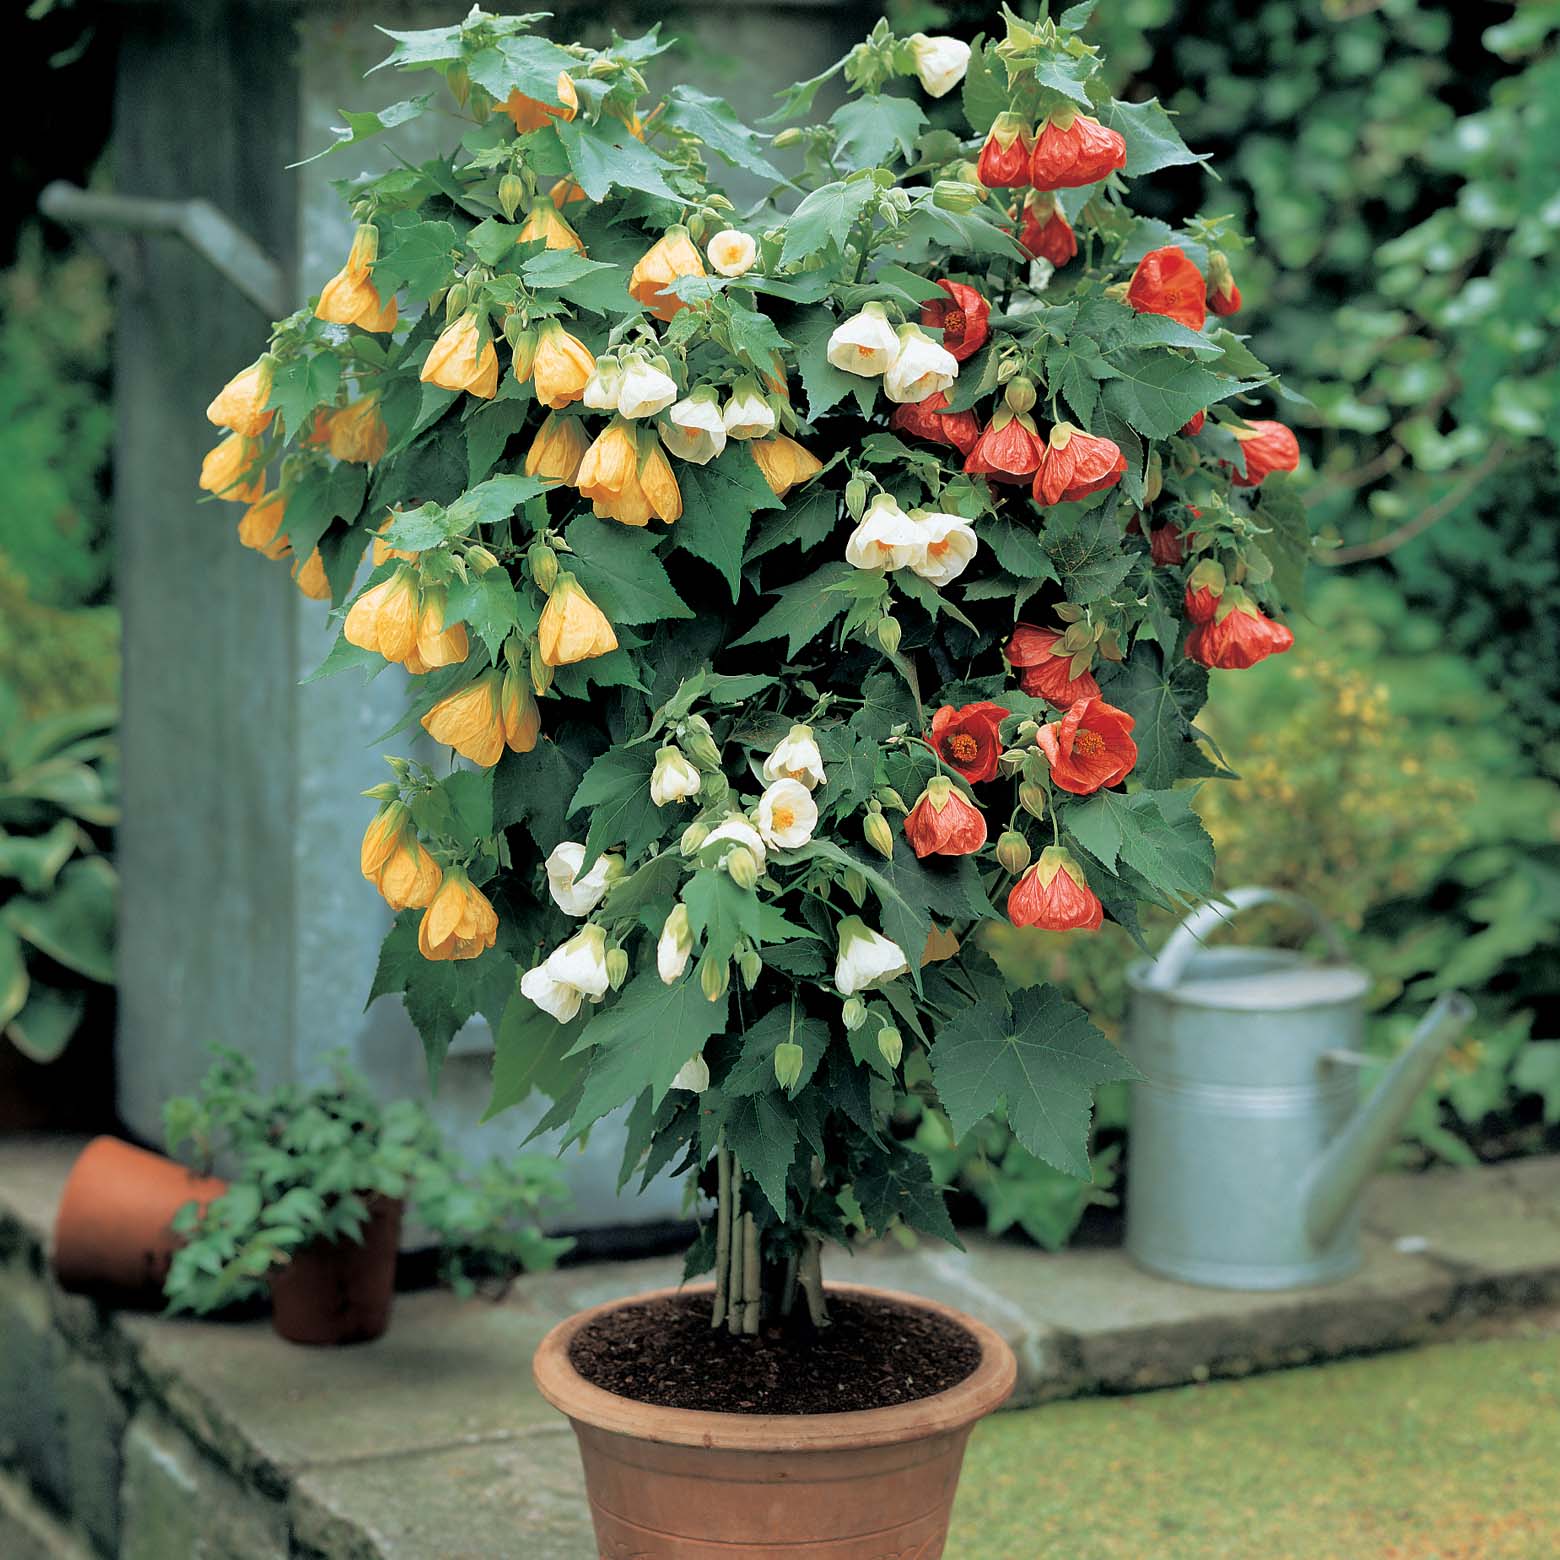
{"x": 1089, "y": 747}
{"x": 963, "y": 318}
{"x": 1204, "y": 587}
{"x": 1194, "y": 424}
{"x": 1044, "y": 230}
{"x": 1054, "y": 894}
{"x": 530, "y": 113}
{"x": 1074, "y": 149}
{"x": 1166, "y": 546}
{"x": 670, "y": 256}
{"x": 943, "y": 822}
{"x": 1075, "y": 464}
{"x": 1004, "y": 159}
{"x": 1224, "y": 295}
{"x": 966, "y": 739}
{"x": 1044, "y": 668}
{"x": 1268, "y": 447}
{"x": 1238, "y": 636}
{"x": 1009, "y": 450}
{"x": 927, "y": 419}
{"x": 1166, "y": 282}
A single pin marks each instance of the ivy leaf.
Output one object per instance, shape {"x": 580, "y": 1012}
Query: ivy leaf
{"x": 531, "y": 1051}
{"x": 535, "y": 789}
{"x": 303, "y": 384}
{"x": 520, "y": 60}
{"x": 1066, "y": 74}
{"x": 804, "y": 609}
{"x": 560, "y": 268}
{"x": 874, "y": 128}
{"x": 711, "y": 119}
{"x": 899, "y": 1185}
{"x": 1086, "y": 549}
{"x": 1153, "y": 142}
{"x": 605, "y": 154}
{"x": 808, "y": 518}
{"x": 721, "y": 915}
{"x": 322, "y": 497}
{"x": 487, "y": 433}
{"x": 719, "y": 502}
{"x": 1017, "y": 548}
{"x": 618, "y": 567}
{"x": 494, "y": 500}
{"x": 985, "y": 92}
{"x": 1288, "y": 543}
{"x": 825, "y": 218}
{"x": 491, "y": 240}
{"x": 761, "y": 1131}
{"x": 1040, "y": 1058}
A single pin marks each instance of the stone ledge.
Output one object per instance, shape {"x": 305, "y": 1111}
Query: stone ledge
{"x": 140, "y": 1428}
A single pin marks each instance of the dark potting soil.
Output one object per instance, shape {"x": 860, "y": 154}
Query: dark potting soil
{"x": 874, "y": 1354}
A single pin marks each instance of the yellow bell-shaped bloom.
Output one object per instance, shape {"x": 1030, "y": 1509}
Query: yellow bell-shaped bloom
{"x": 385, "y": 617}
{"x": 522, "y": 718}
{"x": 407, "y": 875}
{"x": 463, "y": 358}
{"x": 572, "y": 628}
{"x": 658, "y": 484}
{"x": 561, "y": 368}
{"x": 627, "y": 476}
{"x": 530, "y": 113}
{"x": 672, "y": 255}
{"x": 784, "y": 463}
{"x": 436, "y": 644}
{"x": 350, "y": 297}
{"x": 309, "y": 577}
{"x": 234, "y": 470}
{"x": 262, "y": 520}
{"x": 544, "y": 224}
{"x": 240, "y": 403}
{"x": 381, "y": 837}
{"x": 460, "y": 923}
{"x": 557, "y": 449}
{"x": 565, "y": 193}
{"x": 608, "y": 466}
{"x": 358, "y": 432}
{"x": 469, "y": 721}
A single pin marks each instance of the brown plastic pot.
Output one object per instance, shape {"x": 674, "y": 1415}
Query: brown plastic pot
{"x": 336, "y": 1292}
{"x": 113, "y": 1235}
{"x": 674, "y": 1484}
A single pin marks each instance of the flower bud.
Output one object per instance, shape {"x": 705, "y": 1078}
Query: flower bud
{"x": 741, "y": 867}
{"x": 889, "y": 797}
{"x": 890, "y": 1044}
{"x": 787, "y": 137}
{"x": 1154, "y": 480}
{"x": 1013, "y": 851}
{"x": 1031, "y": 797}
{"x": 480, "y": 559}
{"x": 617, "y": 968}
{"x": 700, "y": 746}
{"x": 888, "y": 634}
{"x": 1020, "y": 394}
{"x": 955, "y": 195}
{"x": 541, "y": 672}
{"x": 385, "y": 791}
{"x": 854, "y": 884}
{"x": 455, "y": 301}
{"x": 854, "y": 1013}
{"x": 1009, "y": 762}
{"x": 714, "y": 978}
{"x": 715, "y": 788}
{"x": 788, "y": 1063}
{"x": 511, "y": 191}
{"x": 751, "y": 965}
{"x": 879, "y": 835}
{"x": 856, "y": 497}
{"x": 542, "y": 561}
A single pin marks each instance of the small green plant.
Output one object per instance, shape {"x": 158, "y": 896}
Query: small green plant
{"x": 305, "y": 1162}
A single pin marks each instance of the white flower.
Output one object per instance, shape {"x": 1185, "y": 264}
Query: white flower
{"x": 693, "y": 430}
{"x": 601, "y": 389}
{"x": 693, "y": 1075}
{"x": 866, "y": 958}
{"x": 921, "y": 367}
{"x": 797, "y": 758}
{"x": 734, "y": 831}
{"x": 940, "y": 63}
{"x": 733, "y": 253}
{"x": 576, "y": 895}
{"x": 645, "y": 390}
{"x": 748, "y": 414}
{"x": 673, "y": 779}
{"x": 786, "y": 815}
{"x": 949, "y": 544}
{"x": 674, "y": 946}
{"x": 865, "y": 344}
{"x": 581, "y": 962}
{"x": 551, "y": 996}
{"x": 886, "y": 538}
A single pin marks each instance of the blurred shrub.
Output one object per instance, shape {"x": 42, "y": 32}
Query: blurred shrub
{"x": 55, "y": 659}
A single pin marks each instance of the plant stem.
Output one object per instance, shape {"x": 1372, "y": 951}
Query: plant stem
{"x": 734, "y": 1282}
{"x": 751, "y": 1291}
{"x": 788, "y": 1293}
{"x": 811, "y": 1279}
{"x": 722, "y": 1233}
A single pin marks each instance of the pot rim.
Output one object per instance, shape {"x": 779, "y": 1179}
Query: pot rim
{"x": 984, "y": 1389}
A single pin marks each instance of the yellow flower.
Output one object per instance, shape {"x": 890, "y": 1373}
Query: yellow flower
{"x": 358, "y": 432}
{"x": 561, "y": 368}
{"x": 573, "y": 628}
{"x": 381, "y": 837}
{"x": 557, "y": 449}
{"x": 517, "y": 706}
{"x": 460, "y": 923}
{"x": 565, "y": 192}
{"x": 463, "y": 358}
{"x": 350, "y": 297}
{"x": 233, "y": 470}
{"x": 240, "y": 403}
{"x": 469, "y": 721}
{"x": 436, "y": 644}
{"x": 530, "y": 113}
{"x": 659, "y": 485}
{"x": 410, "y": 876}
{"x": 309, "y": 576}
{"x": 784, "y": 463}
{"x": 385, "y": 617}
{"x": 544, "y": 224}
{"x": 672, "y": 255}
{"x": 383, "y": 551}
{"x": 607, "y": 467}
{"x": 262, "y": 520}
{"x": 627, "y": 476}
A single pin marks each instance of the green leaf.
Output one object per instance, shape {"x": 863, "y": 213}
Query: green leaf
{"x": 459, "y": 807}
{"x": 898, "y": 1185}
{"x": 364, "y": 126}
{"x": 535, "y": 789}
{"x": 13, "y": 976}
{"x": 322, "y": 496}
{"x": 303, "y": 384}
{"x": 34, "y": 860}
{"x": 825, "y": 218}
{"x": 616, "y": 789}
{"x": 719, "y": 502}
{"x": 761, "y": 1131}
{"x": 487, "y": 604}
{"x": 1159, "y": 392}
{"x": 1163, "y": 696}
{"x": 560, "y": 268}
{"x": 713, "y": 122}
{"x": 491, "y": 240}
{"x": 496, "y": 499}
{"x": 825, "y": 384}
{"x": 45, "y": 1026}
{"x": 803, "y": 610}
{"x": 985, "y": 93}
{"x": 488, "y": 432}
{"x": 754, "y": 1070}
{"x": 1153, "y": 142}
{"x": 1155, "y": 833}
{"x": 605, "y": 154}
{"x": 808, "y": 518}
{"x": 1016, "y": 548}
{"x": 1066, "y": 73}
{"x": 1086, "y": 549}
{"x": 875, "y": 129}
{"x": 530, "y": 1052}
{"x": 415, "y": 255}
{"x": 1041, "y": 1059}
{"x": 74, "y": 926}
{"x": 618, "y": 567}
{"x": 521, "y": 60}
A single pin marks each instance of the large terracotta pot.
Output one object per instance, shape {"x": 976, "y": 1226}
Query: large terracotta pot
{"x": 673, "y": 1484}
{"x": 335, "y": 1292}
{"x": 113, "y": 1235}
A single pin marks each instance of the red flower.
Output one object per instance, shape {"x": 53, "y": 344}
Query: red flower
{"x": 963, "y": 320}
{"x": 1237, "y": 637}
{"x": 1267, "y": 446}
{"x": 1073, "y": 150}
{"x": 1044, "y": 671}
{"x": 1008, "y": 451}
{"x": 966, "y": 739}
{"x": 1165, "y": 545}
{"x": 1047, "y": 237}
{"x": 1166, "y": 282}
{"x": 1225, "y": 296}
{"x": 1226, "y": 302}
{"x": 927, "y": 420}
{"x": 1076, "y": 464}
{"x": 1054, "y": 894}
{"x": 1204, "y": 588}
{"x": 1089, "y": 747}
{"x": 1195, "y": 426}
{"x": 943, "y": 822}
{"x": 1004, "y": 159}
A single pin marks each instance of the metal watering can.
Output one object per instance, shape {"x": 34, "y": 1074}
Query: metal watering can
{"x": 1249, "y": 1144}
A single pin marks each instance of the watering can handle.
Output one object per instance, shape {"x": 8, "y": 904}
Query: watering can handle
{"x": 1195, "y": 930}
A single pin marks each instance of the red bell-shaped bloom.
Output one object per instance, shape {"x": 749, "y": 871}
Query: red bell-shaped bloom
{"x": 1076, "y": 464}
{"x": 928, "y": 420}
{"x": 1268, "y": 446}
{"x": 1227, "y": 302}
{"x": 966, "y": 739}
{"x": 1045, "y": 669}
{"x": 1194, "y": 425}
{"x": 1008, "y": 451}
{"x": 1238, "y": 636}
{"x": 1004, "y": 158}
{"x": 1166, "y": 282}
{"x": 1072, "y": 150}
{"x": 1204, "y": 588}
{"x": 1089, "y": 747}
{"x": 944, "y": 822}
{"x": 1044, "y": 231}
{"x": 1054, "y": 894}
{"x": 1165, "y": 545}
{"x": 963, "y": 318}
{"x": 1223, "y": 294}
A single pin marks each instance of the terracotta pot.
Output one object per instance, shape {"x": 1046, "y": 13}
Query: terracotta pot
{"x": 335, "y": 1292}
{"x": 113, "y": 1236}
{"x": 674, "y": 1484}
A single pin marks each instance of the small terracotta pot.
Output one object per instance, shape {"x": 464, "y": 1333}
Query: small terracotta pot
{"x": 113, "y": 1235}
{"x": 674, "y": 1484}
{"x": 335, "y": 1292}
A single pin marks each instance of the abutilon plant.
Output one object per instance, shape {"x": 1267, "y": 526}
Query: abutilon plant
{"x": 792, "y": 594}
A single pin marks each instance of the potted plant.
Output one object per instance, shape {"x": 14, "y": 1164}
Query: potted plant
{"x": 313, "y": 1213}
{"x": 797, "y": 592}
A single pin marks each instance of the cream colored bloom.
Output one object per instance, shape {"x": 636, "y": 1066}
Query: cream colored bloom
{"x": 948, "y": 545}
{"x": 601, "y": 389}
{"x": 674, "y": 947}
{"x": 735, "y": 831}
{"x": 866, "y": 958}
{"x": 581, "y": 962}
{"x": 732, "y": 253}
{"x": 644, "y": 390}
{"x": 920, "y": 368}
{"x": 865, "y": 344}
{"x": 886, "y": 538}
{"x": 940, "y": 63}
{"x": 786, "y": 815}
{"x": 673, "y": 779}
{"x": 693, "y": 1075}
{"x": 796, "y": 758}
{"x": 575, "y": 895}
{"x": 693, "y": 429}
{"x": 562, "y": 1001}
{"x": 748, "y": 414}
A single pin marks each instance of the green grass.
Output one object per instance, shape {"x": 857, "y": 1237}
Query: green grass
{"x": 1448, "y": 1453}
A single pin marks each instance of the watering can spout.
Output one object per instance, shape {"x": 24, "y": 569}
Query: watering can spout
{"x": 1337, "y": 1178}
